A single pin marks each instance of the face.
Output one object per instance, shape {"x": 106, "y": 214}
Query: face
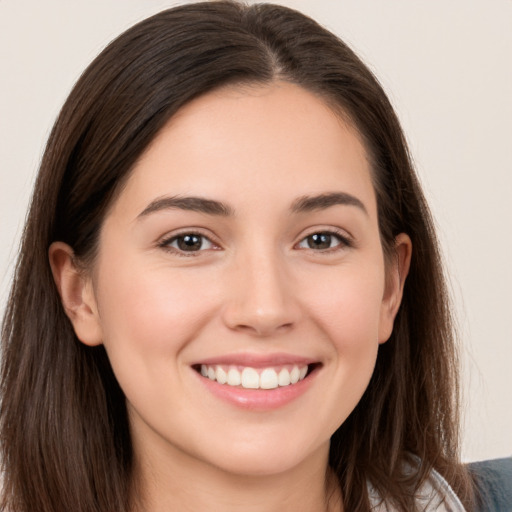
{"x": 240, "y": 287}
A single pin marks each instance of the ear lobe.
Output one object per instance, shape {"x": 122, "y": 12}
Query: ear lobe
{"x": 76, "y": 293}
{"x": 395, "y": 280}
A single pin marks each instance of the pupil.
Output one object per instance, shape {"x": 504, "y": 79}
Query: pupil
{"x": 319, "y": 241}
{"x": 189, "y": 243}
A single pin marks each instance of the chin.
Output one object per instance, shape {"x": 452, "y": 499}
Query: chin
{"x": 271, "y": 457}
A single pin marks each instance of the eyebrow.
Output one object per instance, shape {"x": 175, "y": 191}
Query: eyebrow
{"x": 322, "y": 201}
{"x": 194, "y": 204}
{"x": 213, "y": 207}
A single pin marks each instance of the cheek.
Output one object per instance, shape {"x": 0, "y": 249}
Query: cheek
{"x": 148, "y": 319}
{"x": 152, "y": 310}
{"x": 348, "y": 307}
{"x": 349, "y": 317}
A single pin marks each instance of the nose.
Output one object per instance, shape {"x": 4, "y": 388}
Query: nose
{"x": 261, "y": 299}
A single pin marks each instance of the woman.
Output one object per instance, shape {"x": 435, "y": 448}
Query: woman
{"x": 229, "y": 294}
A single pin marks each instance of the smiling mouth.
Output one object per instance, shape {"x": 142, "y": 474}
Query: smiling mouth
{"x": 256, "y": 378}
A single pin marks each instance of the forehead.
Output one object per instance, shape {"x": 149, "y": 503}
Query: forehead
{"x": 242, "y": 143}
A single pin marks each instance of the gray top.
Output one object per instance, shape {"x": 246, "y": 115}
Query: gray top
{"x": 494, "y": 487}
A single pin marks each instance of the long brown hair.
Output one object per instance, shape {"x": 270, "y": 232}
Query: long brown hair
{"x": 65, "y": 437}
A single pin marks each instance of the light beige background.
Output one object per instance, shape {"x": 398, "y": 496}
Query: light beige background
{"x": 447, "y": 67}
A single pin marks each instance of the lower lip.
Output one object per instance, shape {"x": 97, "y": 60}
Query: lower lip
{"x": 258, "y": 399}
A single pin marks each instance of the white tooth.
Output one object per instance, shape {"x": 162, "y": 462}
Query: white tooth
{"x": 303, "y": 372}
{"x": 211, "y": 373}
{"x": 204, "y": 370}
{"x": 268, "y": 379}
{"x": 284, "y": 377}
{"x": 234, "y": 378}
{"x": 220, "y": 375}
{"x": 294, "y": 375}
{"x": 250, "y": 378}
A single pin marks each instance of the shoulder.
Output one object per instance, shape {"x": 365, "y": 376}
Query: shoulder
{"x": 493, "y": 479}
{"x": 494, "y": 483}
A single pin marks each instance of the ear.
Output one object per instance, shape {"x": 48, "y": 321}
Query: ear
{"x": 395, "y": 279}
{"x": 76, "y": 293}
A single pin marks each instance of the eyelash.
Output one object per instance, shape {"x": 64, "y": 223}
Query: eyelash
{"x": 344, "y": 242}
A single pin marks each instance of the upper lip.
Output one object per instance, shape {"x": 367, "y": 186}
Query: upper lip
{"x": 257, "y": 360}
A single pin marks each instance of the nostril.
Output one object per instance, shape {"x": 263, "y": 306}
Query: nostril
{"x": 263, "y": 328}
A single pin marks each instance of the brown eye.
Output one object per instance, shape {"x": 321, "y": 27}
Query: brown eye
{"x": 322, "y": 241}
{"x": 319, "y": 241}
{"x": 189, "y": 242}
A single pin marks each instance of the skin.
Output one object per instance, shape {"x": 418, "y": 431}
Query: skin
{"x": 256, "y": 286}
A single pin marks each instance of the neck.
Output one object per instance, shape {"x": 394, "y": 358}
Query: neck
{"x": 168, "y": 483}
